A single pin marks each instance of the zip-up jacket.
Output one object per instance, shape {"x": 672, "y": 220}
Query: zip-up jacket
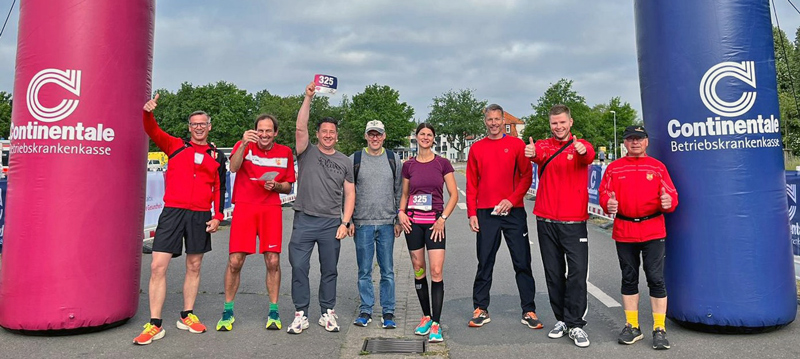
{"x": 562, "y": 194}
{"x": 497, "y": 170}
{"x": 637, "y": 183}
{"x": 188, "y": 185}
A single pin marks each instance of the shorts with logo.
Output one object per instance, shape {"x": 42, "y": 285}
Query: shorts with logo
{"x": 176, "y": 225}
{"x": 652, "y": 259}
{"x": 421, "y": 235}
{"x": 255, "y": 220}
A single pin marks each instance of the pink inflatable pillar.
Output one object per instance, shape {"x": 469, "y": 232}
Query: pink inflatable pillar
{"x": 72, "y": 251}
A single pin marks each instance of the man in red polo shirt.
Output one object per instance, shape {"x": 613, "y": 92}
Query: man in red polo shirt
{"x": 638, "y": 189}
{"x": 561, "y": 212}
{"x": 263, "y": 170}
{"x": 192, "y": 184}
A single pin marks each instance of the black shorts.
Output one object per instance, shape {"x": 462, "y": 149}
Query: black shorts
{"x": 177, "y": 224}
{"x": 420, "y": 237}
{"x": 652, "y": 259}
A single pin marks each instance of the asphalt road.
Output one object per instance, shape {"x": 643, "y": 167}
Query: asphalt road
{"x": 504, "y": 337}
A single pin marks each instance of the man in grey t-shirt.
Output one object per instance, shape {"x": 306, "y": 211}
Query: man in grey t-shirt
{"x": 325, "y": 174}
{"x": 375, "y": 221}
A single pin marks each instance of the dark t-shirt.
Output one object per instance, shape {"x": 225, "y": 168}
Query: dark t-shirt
{"x": 320, "y": 182}
{"x": 427, "y": 179}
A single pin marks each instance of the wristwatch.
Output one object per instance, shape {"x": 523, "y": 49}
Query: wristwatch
{"x": 346, "y": 224}
{"x": 444, "y": 217}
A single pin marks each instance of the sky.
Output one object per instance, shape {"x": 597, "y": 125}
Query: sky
{"x": 509, "y": 52}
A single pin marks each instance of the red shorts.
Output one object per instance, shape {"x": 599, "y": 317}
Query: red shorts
{"x": 251, "y": 220}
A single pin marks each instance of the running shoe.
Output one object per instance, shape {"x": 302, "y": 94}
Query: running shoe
{"x": 387, "y": 321}
{"x": 362, "y": 320}
{"x": 150, "y": 333}
{"x": 299, "y": 323}
{"x": 274, "y": 321}
{"x": 479, "y": 318}
{"x": 579, "y": 336}
{"x": 532, "y": 321}
{"x": 424, "y": 326}
{"x": 436, "y": 334}
{"x": 559, "y": 330}
{"x": 328, "y": 321}
{"x": 630, "y": 335}
{"x": 226, "y": 323}
{"x": 660, "y": 341}
{"x": 192, "y": 324}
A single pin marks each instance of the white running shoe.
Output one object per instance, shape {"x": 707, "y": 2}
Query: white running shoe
{"x": 299, "y": 323}
{"x": 579, "y": 336}
{"x": 328, "y": 321}
{"x": 558, "y": 331}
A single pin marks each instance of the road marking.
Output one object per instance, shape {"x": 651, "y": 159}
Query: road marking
{"x": 602, "y": 297}
{"x": 462, "y": 206}
{"x": 462, "y": 192}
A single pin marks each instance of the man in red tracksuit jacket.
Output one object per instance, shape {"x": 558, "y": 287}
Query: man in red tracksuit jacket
{"x": 562, "y": 201}
{"x": 498, "y": 176}
{"x": 192, "y": 184}
{"x": 638, "y": 189}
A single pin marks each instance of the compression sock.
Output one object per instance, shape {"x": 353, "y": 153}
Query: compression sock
{"x": 422, "y": 293}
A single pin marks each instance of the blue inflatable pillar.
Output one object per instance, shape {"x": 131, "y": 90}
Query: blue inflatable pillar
{"x": 709, "y": 97}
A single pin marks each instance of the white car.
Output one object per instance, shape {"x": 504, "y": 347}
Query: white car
{"x": 154, "y": 165}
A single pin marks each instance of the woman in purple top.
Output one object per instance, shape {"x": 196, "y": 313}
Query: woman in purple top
{"x": 422, "y": 215}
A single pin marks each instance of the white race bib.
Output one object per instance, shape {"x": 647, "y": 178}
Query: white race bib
{"x": 422, "y": 202}
{"x": 198, "y": 158}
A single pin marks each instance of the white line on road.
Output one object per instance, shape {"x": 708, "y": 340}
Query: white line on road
{"x": 462, "y": 206}
{"x": 602, "y": 297}
{"x": 463, "y": 193}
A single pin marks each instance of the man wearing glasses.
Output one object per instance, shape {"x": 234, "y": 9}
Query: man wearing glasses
{"x": 192, "y": 184}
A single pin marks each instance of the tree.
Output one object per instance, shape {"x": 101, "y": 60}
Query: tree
{"x": 537, "y": 125}
{"x": 604, "y": 122}
{"x": 381, "y": 103}
{"x": 457, "y": 115}
{"x": 787, "y": 70}
{"x": 5, "y": 114}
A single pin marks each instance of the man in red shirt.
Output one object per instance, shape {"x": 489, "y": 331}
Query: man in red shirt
{"x": 264, "y": 169}
{"x": 498, "y": 176}
{"x": 192, "y": 184}
{"x": 638, "y": 189}
{"x": 561, "y": 212}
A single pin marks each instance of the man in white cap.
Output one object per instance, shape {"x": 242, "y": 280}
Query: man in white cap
{"x": 375, "y": 220}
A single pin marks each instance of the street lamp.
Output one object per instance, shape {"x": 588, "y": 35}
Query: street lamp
{"x": 615, "y": 133}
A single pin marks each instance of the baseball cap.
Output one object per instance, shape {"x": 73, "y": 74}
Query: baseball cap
{"x": 375, "y": 125}
{"x": 634, "y": 131}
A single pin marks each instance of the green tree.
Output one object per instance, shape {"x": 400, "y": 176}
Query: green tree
{"x": 457, "y": 115}
{"x": 376, "y": 102}
{"x": 537, "y": 125}
{"x": 5, "y": 114}
{"x": 604, "y": 122}
{"x": 787, "y": 71}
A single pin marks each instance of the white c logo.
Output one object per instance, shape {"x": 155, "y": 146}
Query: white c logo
{"x": 70, "y": 80}
{"x": 594, "y": 178}
{"x": 744, "y": 71}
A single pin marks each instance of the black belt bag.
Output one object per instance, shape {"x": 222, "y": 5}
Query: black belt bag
{"x": 638, "y": 219}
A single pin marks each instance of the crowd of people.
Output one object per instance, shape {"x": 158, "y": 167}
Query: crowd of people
{"x": 374, "y": 197}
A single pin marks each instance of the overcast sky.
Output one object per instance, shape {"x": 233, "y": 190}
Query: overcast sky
{"x": 508, "y": 51}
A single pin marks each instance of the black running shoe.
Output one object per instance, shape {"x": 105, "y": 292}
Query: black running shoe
{"x": 630, "y": 335}
{"x": 660, "y": 341}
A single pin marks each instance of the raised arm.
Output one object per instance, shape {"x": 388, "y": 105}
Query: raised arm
{"x": 301, "y": 132}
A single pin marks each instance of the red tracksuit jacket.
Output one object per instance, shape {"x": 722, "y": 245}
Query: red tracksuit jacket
{"x": 497, "y": 170}
{"x": 637, "y": 183}
{"x": 188, "y": 185}
{"x": 562, "y": 194}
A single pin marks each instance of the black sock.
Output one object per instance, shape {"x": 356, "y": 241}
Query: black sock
{"x": 186, "y": 313}
{"x": 422, "y": 293}
{"x": 437, "y": 298}
{"x": 156, "y": 322}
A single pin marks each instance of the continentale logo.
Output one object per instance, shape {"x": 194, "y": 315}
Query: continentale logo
{"x": 51, "y": 125}
{"x": 757, "y": 131}
{"x": 69, "y": 80}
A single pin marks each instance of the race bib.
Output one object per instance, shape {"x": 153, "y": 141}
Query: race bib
{"x": 325, "y": 84}
{"x": 421, "y": 202}
{"x": 198, "y": 158}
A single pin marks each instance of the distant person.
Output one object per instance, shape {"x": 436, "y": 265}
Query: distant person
{"x": 498, "y": 177}
{"x": 560, "y": 209}
{"x": 192, "y": 185}
{"x": 423, "y": 215}
{"x": 638, "y": 189}
{"x": 378, "y": 179}
{"x": 601, "y": 155}
{"x": 264, "y": 170}
{"x": 326, "y": 177}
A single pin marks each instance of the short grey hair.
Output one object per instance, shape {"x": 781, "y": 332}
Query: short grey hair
{"x": 208, "y": 118}
{"x": 494, "y": 107}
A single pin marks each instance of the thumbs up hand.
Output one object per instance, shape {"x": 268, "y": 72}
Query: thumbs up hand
{"x": 530, "y": 148}
{"x": 149, "y": 106}
{"x": 666, "y": 200}
{"x": 579, "y": 147}
{"x": 613, "y": 204}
